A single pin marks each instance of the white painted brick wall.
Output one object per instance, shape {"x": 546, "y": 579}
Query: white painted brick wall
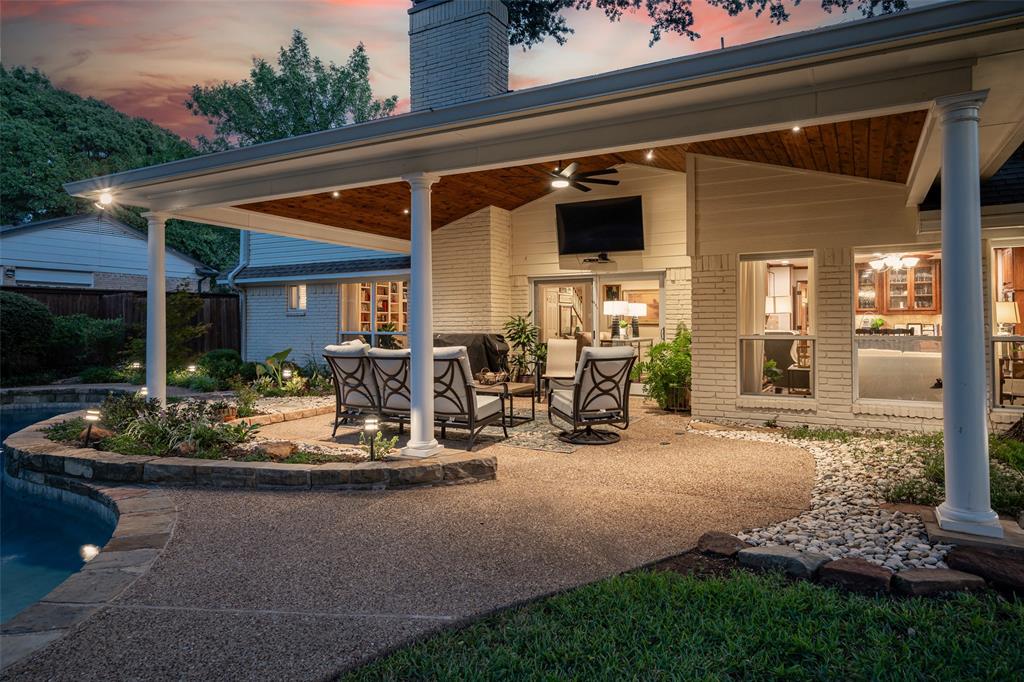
{"x": 270, "y": 328}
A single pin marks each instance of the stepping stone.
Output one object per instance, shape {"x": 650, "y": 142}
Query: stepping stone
{"x": 926, "y": 582}
{"x": 856, "y": 575}
{"x": 720, "y": 544}
{"x": 792, "y": 562}
{"x": 1003, "y": 568}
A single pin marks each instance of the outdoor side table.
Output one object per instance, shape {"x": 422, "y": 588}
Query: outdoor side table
{"x": 512, "y": 390}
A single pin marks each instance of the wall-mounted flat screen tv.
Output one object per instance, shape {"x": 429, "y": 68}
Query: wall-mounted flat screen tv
{"x": 600, "y": 226}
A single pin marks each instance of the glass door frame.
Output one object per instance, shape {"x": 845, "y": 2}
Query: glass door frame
{"x": 373, "y": 335}
{"x": 583, "y": 278}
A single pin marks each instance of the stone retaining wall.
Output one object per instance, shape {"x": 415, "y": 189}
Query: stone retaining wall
{"x": 56, "y": 396}
{"x": 29, "y": 455}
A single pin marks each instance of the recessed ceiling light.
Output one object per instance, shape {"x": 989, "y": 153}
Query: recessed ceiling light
{"x": 796, "y": 129}
{"x": 405, "y": 211}
{"x": 335, "y": 194}
{"x": 785, "y": 262}
{"x": 106, "y": 198}
{"x": 649, "y": 155}
{"x": 559, "y": 184}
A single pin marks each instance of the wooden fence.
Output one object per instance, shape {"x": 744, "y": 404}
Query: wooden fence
{"x": 220, "y": 311}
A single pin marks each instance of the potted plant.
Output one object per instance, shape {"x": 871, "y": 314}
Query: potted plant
{"x": 522, "y": 335}
{"x": 877, "y": 323}
{"x": 667, "y": 371}
{"x": 772, "y": 373}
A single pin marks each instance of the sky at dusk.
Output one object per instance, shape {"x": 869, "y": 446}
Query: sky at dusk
{"x": 143, "y": 56}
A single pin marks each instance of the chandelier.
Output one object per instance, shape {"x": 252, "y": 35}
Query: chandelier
{"x": 893, "y": 262}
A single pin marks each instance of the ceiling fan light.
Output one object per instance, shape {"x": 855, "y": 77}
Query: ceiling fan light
{"x": 559, "y": 183}
{"x": 910, "y": 261}
{"x": 877, "y": 264}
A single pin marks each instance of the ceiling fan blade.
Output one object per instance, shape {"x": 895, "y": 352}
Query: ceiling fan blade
{"x": 582, "y": 188}
{"x": 606, "y": 171}
{"x": 570, "y": 169}
{"x": 596, "y": 181}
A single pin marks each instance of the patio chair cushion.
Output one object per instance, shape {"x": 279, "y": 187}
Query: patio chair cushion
{"x": 562, "y": 401}
{"x": 353, "y": 376}
{"x": 391, "y": 370}
{"x": 487, "y": 405}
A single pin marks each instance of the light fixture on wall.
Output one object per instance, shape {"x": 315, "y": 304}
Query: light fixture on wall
{"x": 616, "y": 309}
{"x": 893, "y": 262}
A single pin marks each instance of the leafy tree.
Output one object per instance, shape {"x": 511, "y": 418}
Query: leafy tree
{"x": 183, "y": 308}
{"x": 531, "y": 21}
{"x": 302, "y": 95}
{"x": 50, "y": 136}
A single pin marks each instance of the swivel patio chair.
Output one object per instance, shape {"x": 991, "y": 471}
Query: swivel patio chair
{"x": 355, "y": 389}
{"x": 456, "y": 403}
{"x": 599, "y": 396}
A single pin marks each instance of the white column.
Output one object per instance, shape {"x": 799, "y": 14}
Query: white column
{"x": 156, "y": 310}
{"x": 967, "y": 508}
{"x": 421, "y": 321}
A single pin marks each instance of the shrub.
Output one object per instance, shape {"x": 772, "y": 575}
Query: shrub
{"x": 99, "y": 375}
{"x": 221, "y": 364}
{"x": 120, "y": 410}
{"x": 66, "y": 430}
{"x": 246, "y": 397}
{"x": 80, "y": 341}
{"x": 1007, "y": 451}
{"x": 668, "y": 367}
{"x": 25, "y": 327}
{"x": 183, "y": 308}
{"x": 203, "y": 383}
{"x": 190, "y": 427}
{"x": 915, "y": 491}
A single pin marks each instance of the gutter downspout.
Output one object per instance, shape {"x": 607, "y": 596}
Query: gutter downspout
{"x": 243, "y": 262}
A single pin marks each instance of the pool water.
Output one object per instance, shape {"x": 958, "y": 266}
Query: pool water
{"x": 42, "y": 541}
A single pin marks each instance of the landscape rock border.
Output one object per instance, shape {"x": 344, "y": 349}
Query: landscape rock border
{"x": 30, "y": 455}
{"x": 145, "y": 522}
{"x": 854, "y": 574}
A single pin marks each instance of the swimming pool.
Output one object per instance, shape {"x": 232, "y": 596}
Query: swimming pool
{"x": 42, "y": 540}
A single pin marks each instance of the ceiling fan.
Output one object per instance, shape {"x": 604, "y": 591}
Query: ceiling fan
{"x": 568, "y": 177}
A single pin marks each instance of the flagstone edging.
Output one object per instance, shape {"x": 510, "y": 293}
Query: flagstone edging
{"x": 28, "y": 454}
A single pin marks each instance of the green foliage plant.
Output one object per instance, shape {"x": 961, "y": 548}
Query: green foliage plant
{"x": 25, "y": 328}
{"x": 273, "y": 368}
{"x": 79, "y": 341}
{"x": 771, "y": 371}
{"x": 668, "y": 367}
{"x": 523, "y": 337}
{"x": 222, "y": 364}
{"x": 182, "y": 309}
{"x": 382, "y": 445}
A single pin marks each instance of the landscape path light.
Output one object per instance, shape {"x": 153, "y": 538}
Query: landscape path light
{"x": 370, "y": 427}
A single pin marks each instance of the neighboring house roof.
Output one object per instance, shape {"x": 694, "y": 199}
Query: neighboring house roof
{"x": 1005, "y": 187}
{"x": 324, "y": 270}
{"x": 82, "y": 218}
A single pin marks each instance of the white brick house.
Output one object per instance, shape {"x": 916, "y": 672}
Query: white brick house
{"x": 789, "y": 197}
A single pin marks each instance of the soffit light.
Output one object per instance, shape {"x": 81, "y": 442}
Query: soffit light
{"x": 649, "y": 155}
{"x": 105, "y": 200}
{"x": 796, "y": 129}
{"x": 335, "y": 194}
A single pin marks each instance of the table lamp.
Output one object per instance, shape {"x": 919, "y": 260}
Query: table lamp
{"x": 637, "y": 310}
{"x": 616, "y": 309}
{"x": 1007, "y": 314}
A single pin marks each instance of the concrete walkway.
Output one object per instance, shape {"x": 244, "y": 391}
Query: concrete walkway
{"x": 286, "y": 585}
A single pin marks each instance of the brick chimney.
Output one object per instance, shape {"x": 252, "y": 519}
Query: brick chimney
{"x": 458, "y": 51}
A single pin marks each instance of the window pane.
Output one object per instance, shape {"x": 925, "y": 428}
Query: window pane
{"x": 391, "y": 341}
{"x": 1009, "y": 365}
{"x": 777, "y": 365}
{"x": 899, "y": 367}
{"x": 776, "y": 295}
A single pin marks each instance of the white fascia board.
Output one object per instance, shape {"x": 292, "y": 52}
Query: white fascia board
{"x": 930, "y": 24}
{"x": 993, "y": 218}
{"x": 615, "y": 128}
{"x": 927, "y": 161}
{"x": 241, "y": 219}
{"x": 346, "y": 277}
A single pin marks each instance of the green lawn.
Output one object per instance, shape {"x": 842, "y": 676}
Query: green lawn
{"x": 666, "y": 626}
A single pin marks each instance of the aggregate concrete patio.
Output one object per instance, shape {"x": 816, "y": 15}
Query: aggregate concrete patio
{"x": 299, "y": 585}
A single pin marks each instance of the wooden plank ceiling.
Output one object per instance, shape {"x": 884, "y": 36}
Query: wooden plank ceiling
{"x": 881, "y": 148}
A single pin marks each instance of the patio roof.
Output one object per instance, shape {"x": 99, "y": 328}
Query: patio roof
{"x": 881, "y": 148}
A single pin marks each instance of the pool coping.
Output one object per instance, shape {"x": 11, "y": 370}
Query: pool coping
{"x": 146, "y": 518}
{"x": 29, "y": 454}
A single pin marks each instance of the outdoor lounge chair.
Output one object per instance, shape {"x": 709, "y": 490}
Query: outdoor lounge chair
{"x": 456, "y": 402}
{"x": 355, "y": 389}
{"x": 391, "y": 374}
{"x": 599, "y": 395}
{"x": 560, "y": 369}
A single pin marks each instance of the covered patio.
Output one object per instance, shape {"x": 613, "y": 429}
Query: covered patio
{"x": 888, "y": 103}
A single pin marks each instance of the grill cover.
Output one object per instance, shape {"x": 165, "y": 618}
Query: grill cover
{"x": 484, "y": 350}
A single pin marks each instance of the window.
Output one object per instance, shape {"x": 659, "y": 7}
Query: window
{"x": 376, "y": 312}
{"x": 776, "y": 327}
{"x": 897, "y": 324}
{"x": 297, "y": 299}
{"x": 1007, "y": 270}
